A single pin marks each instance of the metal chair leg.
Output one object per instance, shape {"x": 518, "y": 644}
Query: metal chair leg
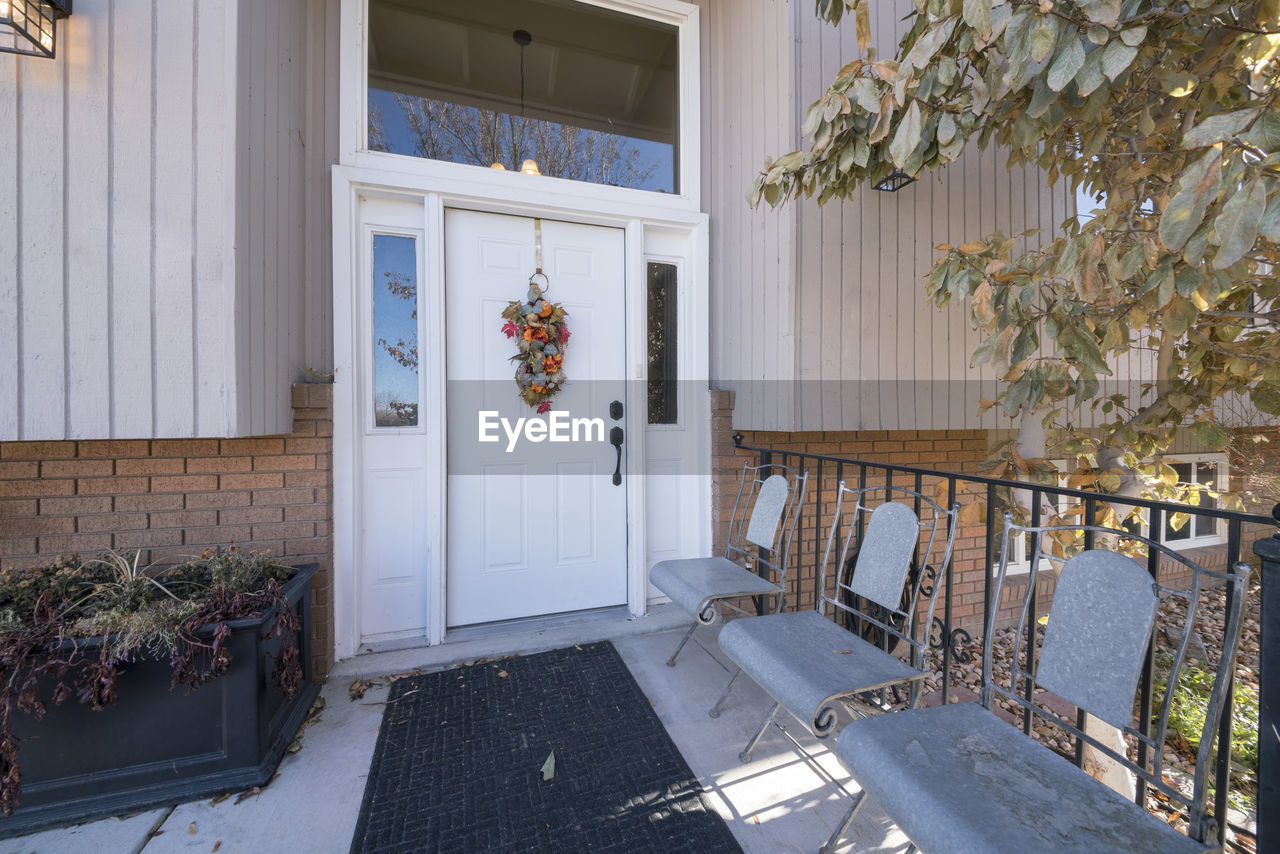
{"x": 834, "y": 839}
{"x": 715, "y": 710}
{"x": 745, "y": 755}
{"x": 671, "y": 662}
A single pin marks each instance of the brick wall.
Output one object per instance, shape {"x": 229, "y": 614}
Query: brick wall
{"x": 174, "y": 498}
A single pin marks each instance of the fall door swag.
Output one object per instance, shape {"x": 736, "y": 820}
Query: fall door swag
{"x": 540, "y": 333}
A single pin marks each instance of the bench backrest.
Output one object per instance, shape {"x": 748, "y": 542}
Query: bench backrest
{"x": 764, "y": 519}
{"x": 897, "y": 543}
{"x": 1107, "y": 608}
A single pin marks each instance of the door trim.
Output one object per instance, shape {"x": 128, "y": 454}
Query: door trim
{"x": 350, "y": 185}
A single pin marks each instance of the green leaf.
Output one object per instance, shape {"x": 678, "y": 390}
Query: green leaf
{"x": 1210, "y": 433}
{"x": 864, "y": 92}
{"x": 1116, "y": 57}
{"x": 1065, "y": 66}
{"x": 1105, "y": 12}
{"x": 946, "y": 129}
{"x": 1134, "y": 36}
{"x": 1265, "y": 133}
{"x": 1269, "y": 226}
{"x": 1219, "y": 127}
{"x": 1041, "y": 39}
{"x": 1196, "y": 188}
{"x": 907, "y": 137}
{"x": 1236, "y": 228}
{"x": 1024, "y": 345}
{"x": 977, "y": 14}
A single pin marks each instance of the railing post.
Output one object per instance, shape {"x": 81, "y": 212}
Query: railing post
{"x": 1268, "y": 549}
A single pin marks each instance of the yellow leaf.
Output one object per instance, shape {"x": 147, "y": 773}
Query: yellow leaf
{"x": 970, "y": 248}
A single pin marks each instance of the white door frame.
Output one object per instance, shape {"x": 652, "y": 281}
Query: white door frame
{"x": 350, "y": 184}
{"x": 438, "y": 185}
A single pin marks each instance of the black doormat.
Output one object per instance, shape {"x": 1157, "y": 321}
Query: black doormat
{"x": 460, "y": 755}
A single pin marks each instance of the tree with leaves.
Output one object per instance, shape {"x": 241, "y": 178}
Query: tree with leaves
{"x": 1165, "y": 111}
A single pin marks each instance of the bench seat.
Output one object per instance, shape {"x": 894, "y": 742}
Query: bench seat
{"x": 694, "y": 584}
{"x": 958, "y": 779}
{"x": 805, "y": 661}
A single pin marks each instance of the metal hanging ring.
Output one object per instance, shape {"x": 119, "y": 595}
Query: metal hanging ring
{"x": 546, "y": 283}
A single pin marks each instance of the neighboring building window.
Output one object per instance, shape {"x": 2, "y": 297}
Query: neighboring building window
{"x": 395, "y": 331}
{"x": 593, "y": 98}
{"x": 662, "y": 343}
{"x": 1208, "y": 470}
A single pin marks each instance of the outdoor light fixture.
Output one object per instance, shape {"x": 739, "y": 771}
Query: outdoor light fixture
{"x": 522, "y": 38}
{"x": 30, "y": 27}
{"x": 894, "y": 181}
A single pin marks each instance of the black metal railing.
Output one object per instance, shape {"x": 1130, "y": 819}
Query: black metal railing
{"x": 857, "y": 474}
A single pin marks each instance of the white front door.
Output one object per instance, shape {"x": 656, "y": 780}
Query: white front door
{"x": 534, "y": 527}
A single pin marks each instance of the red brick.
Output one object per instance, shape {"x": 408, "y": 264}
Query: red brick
{"x": 149, "y": 502}
{"x": 307, "y": 446}
{"x": 306, "y": 513}
{"x": 184, "y": 447}
{"x": 220, "y": 535}
{"x": 250, "y": 515}
{"x": 17, "y": 546}
{"x": 185, "y": 519}
{"x": 317, "y": 413}
{"x": 251, "y": 447}
{"x": 36, "y": 488}
{"x": 319, "y": 395}
{"x": 20, "y": 508}
{"x": 37, "y": 450}
{"x": 219, "y": 465}
{"x": 39, "y": 525}
{"x": 151, "y": 465}
{"x": 258, "y": 480}
{"x": 315, "y": 546}
{"x": 114, "y": 449}
{"x": 68, "y": 543}
{"x": 185, "y": 483}
{"x": 285, "y": 462}
{"x": 324, "y": 428}
{"x": 148, "y": 539}
{"x": 306, "y": 478}
{"x": 112, "y": 485}
{"x": 277, "y": 497}
{"x": 15, "y": 470}
{"x": 111, "y": 522}
{"x": 218, "y": 499}
{"x": 284, "y": 531}
{"x": 73, "y": 506}
{"x": 77, "y": 468}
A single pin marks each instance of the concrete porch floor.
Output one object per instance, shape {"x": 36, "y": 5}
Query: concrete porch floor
{"x": 780, "y": 802}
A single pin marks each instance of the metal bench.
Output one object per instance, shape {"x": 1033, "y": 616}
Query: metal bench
{"x": 813, "y": 666}
{"x": 760, "y": 532}
{"x": 956, "y": 778}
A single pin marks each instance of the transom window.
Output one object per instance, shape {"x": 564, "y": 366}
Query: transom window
{"x": 582, "y": 92}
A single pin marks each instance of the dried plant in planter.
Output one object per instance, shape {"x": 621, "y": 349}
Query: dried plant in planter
{"x": 66, "y": 629}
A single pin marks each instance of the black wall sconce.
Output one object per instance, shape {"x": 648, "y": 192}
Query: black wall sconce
{"x": 894, "y": 181}
{"x": 30, "y": 27}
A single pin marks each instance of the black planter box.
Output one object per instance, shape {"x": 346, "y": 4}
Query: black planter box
{"x": 159, "y": 746}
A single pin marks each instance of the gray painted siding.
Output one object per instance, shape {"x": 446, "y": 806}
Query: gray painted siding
{"x": 135, "y": 305}
{"x": 834, "y": 296}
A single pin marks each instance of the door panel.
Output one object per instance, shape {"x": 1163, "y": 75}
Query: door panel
{"x": 540, "y": 529}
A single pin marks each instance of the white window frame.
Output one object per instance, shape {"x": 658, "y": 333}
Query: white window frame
{"x": 1020, "y": 564}
{"x": 354, "y": 108}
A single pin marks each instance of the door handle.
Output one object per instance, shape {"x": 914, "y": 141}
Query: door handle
{"x": 615, "y": 439}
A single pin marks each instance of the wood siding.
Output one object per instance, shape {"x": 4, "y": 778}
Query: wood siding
{"x": 819, "y": 318}
{"x": 748, "y": 113}
{"x": 128, "y": 309}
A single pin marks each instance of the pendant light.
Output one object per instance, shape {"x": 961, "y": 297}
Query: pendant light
{"x": 522, "y": 38}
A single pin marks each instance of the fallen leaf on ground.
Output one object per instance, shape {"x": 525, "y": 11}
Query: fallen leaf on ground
{"x": 502, "y": 674}
{"x": 357, "y": 689}
{"x": 217, "y": 799}
{"x": 192, "y": 828}
{"x": 256, "y": 790}
{"x": 549, "y": 767}
{"x": 843, "y": 651}
{"x": 216, "y": 846}
{"x": 755, "y": 817}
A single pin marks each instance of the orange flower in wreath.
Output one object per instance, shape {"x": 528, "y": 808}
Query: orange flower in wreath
{"x": 538, "y": 389}
{"x": 546, "y": 309}
{"x": 551, "y": 364}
